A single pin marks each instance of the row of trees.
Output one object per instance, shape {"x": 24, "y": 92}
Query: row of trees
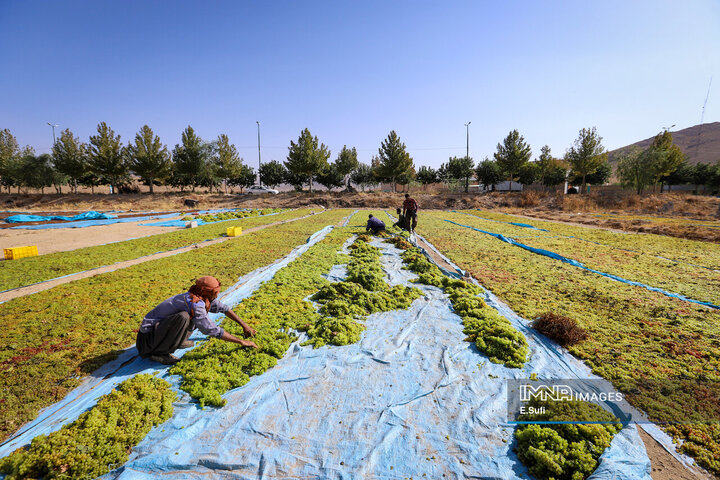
{"x": 104, "y": 160}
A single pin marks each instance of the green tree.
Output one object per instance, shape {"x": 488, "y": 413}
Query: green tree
{"x": 245, "y": 177}
{"x": 666, "y": 157}
{"x": 107, "y": 159}
{"x": 488, "y": 173}
{"x": 427, "y": 175}
{"x": 586, "y": 154}
{"x": 393, "y": 160}
{"x": 699, "y": 175}
{"x": 634, "y": 169}
{"x": 149, "y": 158}
{"x": 346, "y": 163}
{"x": 543, "y": 163}
{"x": 460, "y": 168}
{"x": 70, "y": 157}
{"x": 331, "y": 177}
{"x": 601, "y": 176}
{"x": 273, "y": 173}
{"x": 37, "y": 171}
{"x": 555, "y": 173}
{"x": 191, "y": 159}
{"x": 10, "y": 159}
{"x": 308, "y": 158}
{"x": 363, "y": 176}
{"x": 226, "y": 160}
{"x": 681, "y": 176}
{"x": 528, "y": 173}
{"x": 512, "y": 154}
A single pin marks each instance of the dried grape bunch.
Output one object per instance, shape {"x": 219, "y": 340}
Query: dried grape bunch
{"x": 100, "y": 438}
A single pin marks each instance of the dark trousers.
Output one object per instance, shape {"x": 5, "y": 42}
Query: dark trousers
{"x": 411, "y": 220}
{"x": 166, "y": 336}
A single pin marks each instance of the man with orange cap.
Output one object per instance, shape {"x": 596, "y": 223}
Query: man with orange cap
{"x": 168, "y": 326}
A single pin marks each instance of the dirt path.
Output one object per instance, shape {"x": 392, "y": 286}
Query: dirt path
{"x": 665, "y": 466}
{"x": 39, "y": 287}
{"x": 64, "y": 239}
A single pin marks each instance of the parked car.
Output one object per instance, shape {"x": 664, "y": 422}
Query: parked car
{"x": 259, "y": 190}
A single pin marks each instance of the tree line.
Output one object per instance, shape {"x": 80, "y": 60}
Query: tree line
{"x": 216, "y": 164}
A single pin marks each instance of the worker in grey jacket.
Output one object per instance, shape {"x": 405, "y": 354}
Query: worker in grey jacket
{"x": 168, "y": 326}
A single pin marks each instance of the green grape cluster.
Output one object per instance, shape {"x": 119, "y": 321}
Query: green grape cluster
{"x": 100, "y": 439}
{"x": 567, "y": 451}
{"x": 701, "y": 441}
{"x": 492, "y": 333}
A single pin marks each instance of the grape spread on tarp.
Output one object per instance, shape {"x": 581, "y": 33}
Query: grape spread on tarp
{"x": 411, "y": 398}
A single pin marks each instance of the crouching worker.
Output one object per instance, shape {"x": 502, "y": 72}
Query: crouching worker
{"x": 168, "y": 326}
{"x": 401, "y": 224}
{"x": 375, "y": 224}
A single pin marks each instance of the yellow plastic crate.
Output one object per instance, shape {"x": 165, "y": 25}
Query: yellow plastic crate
{"x": 20, "y": 252}
{"x": 234, "y": 231}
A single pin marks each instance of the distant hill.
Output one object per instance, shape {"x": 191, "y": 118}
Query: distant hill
{"x": 702, "y": 148}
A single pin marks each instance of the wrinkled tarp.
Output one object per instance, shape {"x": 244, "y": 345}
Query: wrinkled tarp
{"x": 199, "y": 221}
{"x": 93, "y": 223}
{"x": 411, "y": 398}
{"x": 575, "y": 263}
{"x": 92, "y": 215}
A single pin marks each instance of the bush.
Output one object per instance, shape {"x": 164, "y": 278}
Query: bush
{"x": 563, "y": 330}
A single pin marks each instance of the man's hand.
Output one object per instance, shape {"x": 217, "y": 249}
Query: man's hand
{"x": 248, "y": 331}
{"x": 248, "y": 343}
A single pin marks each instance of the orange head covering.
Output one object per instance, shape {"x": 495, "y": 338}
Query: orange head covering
{"x": 206, "y": 288}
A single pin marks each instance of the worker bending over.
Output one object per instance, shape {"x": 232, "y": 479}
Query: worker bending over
{"x": 168, "y": 326}
{"x": 375, "y": 224}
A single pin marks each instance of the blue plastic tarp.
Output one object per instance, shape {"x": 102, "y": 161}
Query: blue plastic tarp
{"x": 93, "y": 223}
{"x": 411, "y": 398}
{"x": 92, "y": 215}
{"x": 575, "y": 263}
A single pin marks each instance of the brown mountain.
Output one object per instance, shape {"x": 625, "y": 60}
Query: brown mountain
{"x": 701, "y": 143}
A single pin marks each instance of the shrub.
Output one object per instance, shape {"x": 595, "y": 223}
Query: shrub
{"x": 563, "y": 330}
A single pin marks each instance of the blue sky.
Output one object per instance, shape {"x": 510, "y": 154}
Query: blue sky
{"x": 353, "y": 71}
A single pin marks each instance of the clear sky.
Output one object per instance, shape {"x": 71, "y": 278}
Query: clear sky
{"x": 351, "y": 71}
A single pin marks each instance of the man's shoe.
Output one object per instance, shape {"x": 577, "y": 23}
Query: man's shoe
{"x": 166, "y": 359}
{"x": 187, "y": 344}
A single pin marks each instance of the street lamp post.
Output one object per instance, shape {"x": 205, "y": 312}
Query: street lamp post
{"x": 53, "y": 128}
{"x": 467, "y": 145}
{"x": 259, "y": 163}
{"x": 467, "y": 150}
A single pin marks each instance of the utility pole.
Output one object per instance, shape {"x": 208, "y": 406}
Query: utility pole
{"x": 53, "y": 127}
{"x": 259, "y": 164}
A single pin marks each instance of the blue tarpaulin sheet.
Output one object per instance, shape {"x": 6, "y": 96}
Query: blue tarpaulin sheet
{"x": 93, "y": 223}
{"x": 92, "y": 215}
{"x": 575, "y": 263}
{"x": 411, "y": 398}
